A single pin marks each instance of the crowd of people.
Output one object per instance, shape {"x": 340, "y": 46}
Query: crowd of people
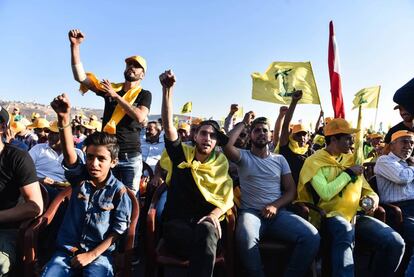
{"x": 209, "y": 170}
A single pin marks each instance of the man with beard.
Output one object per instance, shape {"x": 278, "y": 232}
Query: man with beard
{"x": 395, "y": 180}
{"x": 406, "y": 124}
{"x": 126, "y": 107}
{"x": 331, "y": 180}
{"x": 262, "y": 175}
{"x": 152, "y": 146}
{"x": 200, "y": 191}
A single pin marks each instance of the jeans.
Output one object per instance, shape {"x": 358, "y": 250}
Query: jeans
{"x": 408, "y": 233}
{"x": 161, "y": 205}
{"x": 8, "y": 239}
{"x": 388, "y": 244}
{"x": 197, "y": 242}
{"x": 285, "y": 226}
{"x": 129, "y": 170}
{"x": 59, "y": 265}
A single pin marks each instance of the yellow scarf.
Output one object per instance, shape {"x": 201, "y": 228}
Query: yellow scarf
{"x": 211, "y": 177}
{"x": 130, "y": 96}
{"x": 294, "y": 146}
{"x": 344, "y": 204}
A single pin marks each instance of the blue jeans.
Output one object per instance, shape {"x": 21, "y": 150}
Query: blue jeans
{"x": 408, "y": 233}
{"x": 129, "y": 170}
{"x": 285, "y": 226}
{"x": 59, "y": 265}
{"x": 389, "y": 245}
{"x": 161, "y": 205}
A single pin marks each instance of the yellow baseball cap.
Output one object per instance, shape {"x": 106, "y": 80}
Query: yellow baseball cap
{"x": 296, "y": 128}
{"x": 139, "y": 60}
{"x": 401, "y": 133}
{"x": 39, "y": 123}
{"x": 54, "y": 127}
{"x": 338, "y": 126}
{"x": 17, "y": 127}
{"x": 184, "y": 126}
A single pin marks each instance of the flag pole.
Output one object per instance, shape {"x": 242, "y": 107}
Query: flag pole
{"x": 376, "y": 111}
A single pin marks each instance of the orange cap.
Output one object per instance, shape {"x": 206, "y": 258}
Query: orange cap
{"x": 338, "y": 126}
{"x": 139, "y": 60}
{"x": 17, "y": 127}
{"x": 401, "y": 133}
{"x": 39, "y": 123}
{"x": 296, "y": 128}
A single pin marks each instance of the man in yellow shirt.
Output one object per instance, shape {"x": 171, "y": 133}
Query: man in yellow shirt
{"x": 331, "y": 180}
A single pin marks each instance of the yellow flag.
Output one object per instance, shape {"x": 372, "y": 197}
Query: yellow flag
{"x": 281, "y": 79}
{"x": 367, "y": 98}
{"x": 187, "y": 108}
{"x": 239, "y": 113}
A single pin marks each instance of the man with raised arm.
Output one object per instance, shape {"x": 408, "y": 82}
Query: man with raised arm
{"x": 262, "y": 175}
{"x": 17, "y": 179}
{"x": 200, "y": 191}
{"x": 126, "y": 107}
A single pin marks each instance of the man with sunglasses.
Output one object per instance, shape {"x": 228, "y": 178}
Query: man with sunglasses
{"x": 262, "y": 175}
{"x": 17, "y": 179}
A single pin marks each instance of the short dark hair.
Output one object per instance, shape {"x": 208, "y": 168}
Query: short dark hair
{"x": 104, "y": 139}
{"x": 259, "y": 120}
{"x": 337, "y": 136}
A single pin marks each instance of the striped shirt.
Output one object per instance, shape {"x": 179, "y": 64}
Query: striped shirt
{"x": 395, "y": 179}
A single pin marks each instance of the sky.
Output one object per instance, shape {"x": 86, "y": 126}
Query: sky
{"x": 212, "y": 46}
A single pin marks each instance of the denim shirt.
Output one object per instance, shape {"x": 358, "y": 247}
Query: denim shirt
{"x": 93, "y": 213}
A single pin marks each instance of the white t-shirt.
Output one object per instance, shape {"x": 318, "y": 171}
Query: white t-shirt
{"x": 260, "y": 179}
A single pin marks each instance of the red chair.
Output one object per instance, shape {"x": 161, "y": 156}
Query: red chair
{"x": 33, "y": 262}
{"x": 158, "y": 255}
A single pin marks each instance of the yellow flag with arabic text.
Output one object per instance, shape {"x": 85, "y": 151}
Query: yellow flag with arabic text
{"x": 367, "y": 98}
{"x": 281, "y": 79}
{"x": 187, "y": 108}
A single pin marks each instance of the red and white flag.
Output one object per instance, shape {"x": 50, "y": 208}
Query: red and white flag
{"x": 334, "y": 75}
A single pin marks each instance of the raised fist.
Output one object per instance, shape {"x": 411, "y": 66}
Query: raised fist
{"x": 283, "y": 110}
{"x": 167, "y": 79}
{"x": 297, "y": 95}
{"x": 76, "y": 36}
{"x": 61, "y": 105}
{"x": 248, "y": 117}
{"x": 234, "y": 108}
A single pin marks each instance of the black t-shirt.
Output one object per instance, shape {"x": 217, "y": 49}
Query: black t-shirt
{"x": 127, "y": 130}
{"x": 400, "y": 126}
{"x": 295, "y": 161}
{"x": 184, "y": 199}
{"x": 16, "y": 170}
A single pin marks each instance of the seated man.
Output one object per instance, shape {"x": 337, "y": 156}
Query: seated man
{"x": 331, "y": 180}
{"x": 262, "y": 175}
{"x": 17, "y": 179}
{"x": 153, "y": 145}
{"x": 48, "y": 158}
{"x": 200, "y": 190}
{"x": 395, "y": 180}
{"x": 99, "y": 210}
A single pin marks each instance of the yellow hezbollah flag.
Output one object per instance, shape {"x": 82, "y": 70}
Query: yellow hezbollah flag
{"x": 367, "y": 98}
{"x": 239, "y": 113}
{"x": 187, "y": 108}
{"x": 281, "y": 79}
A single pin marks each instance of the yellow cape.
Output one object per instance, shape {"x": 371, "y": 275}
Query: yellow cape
{"x": 119, "y": 112}
{"x": 345, "y": 203}
{"x": 211, "y": 177}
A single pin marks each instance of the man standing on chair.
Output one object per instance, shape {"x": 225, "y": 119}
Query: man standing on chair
{"x": 126, "y": 108}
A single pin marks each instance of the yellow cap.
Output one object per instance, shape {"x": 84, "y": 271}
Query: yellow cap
{"x": 35, "y": 115}
{"x": 401, "y": 133}
{"x": 183, "y": 126}
{"x": 319, "y": 140}
{"x": 39, "y": 123}
{"x": 54, "y": 127}
{"x": 140, "y": 60}
{"x": 17, "y": 127}
{"x": 338, "y": 126}
{"x": 374, "y": 136}
{"x": 296, "y": 128}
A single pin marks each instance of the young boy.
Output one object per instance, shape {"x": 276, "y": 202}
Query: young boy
{"x": 99, "y": 210}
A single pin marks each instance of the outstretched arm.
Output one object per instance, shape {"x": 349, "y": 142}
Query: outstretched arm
{"x": 167, "y": 80}
{"x": 278, "y": 124}
{"x": 61, "y": 106}
{"x": 318, "y": 122}
{"x": 232, "y": 152}
{"x": 284, "y": 136}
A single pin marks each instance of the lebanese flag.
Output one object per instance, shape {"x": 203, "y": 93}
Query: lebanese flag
{"x": 334, "y": 75}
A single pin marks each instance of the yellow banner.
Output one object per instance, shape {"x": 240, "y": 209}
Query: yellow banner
{"x": 187, "y": 108}
{"x": 281, "y": 79}
{"x": 367, "y": 98}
